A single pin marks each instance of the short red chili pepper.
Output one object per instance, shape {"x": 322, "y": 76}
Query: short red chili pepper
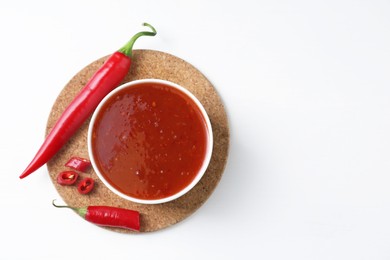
{"x": 109, "y": 216}
{"x": 86, "y": 186}
{"x": 79, "y": 164}
{"x": 108, "y": 77}
{"x": 67, "y": 177}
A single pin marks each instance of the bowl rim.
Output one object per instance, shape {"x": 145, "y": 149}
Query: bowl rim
{"x": 209, "y": 148}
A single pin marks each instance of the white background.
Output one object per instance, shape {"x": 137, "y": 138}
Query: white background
{"x": 306, "y": 85}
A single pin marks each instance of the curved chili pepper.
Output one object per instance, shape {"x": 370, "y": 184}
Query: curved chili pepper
{"x": 109, "y": 216}
{"x": 108, "y": 77}
{"x": 67, "y": 177}
{"x": 78, "y": 164}
{"x": 86, "y": 186}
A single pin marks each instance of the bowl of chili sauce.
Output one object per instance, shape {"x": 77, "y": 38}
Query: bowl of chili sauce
{"x": 150, "y": 141}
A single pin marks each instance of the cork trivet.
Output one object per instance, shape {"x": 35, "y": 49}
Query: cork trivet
{"x": 146, "y": 64}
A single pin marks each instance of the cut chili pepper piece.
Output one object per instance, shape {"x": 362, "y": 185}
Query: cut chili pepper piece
{"x": 78, "y": 164}
{"x": 67, "y": 177}
{"x": 86, "y": 186}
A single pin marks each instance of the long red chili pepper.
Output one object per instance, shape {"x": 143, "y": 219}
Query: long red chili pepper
{"x": 109, "y": 216}
{"x": 108, "y": 77}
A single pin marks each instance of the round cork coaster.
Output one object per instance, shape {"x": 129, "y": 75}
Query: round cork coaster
{"x": 146, "y": 64}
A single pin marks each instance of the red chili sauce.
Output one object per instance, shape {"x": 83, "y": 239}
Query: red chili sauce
{"x": 149, "y": 141}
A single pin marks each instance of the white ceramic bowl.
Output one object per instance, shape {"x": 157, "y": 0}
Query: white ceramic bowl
{"x": 209, "y": 144}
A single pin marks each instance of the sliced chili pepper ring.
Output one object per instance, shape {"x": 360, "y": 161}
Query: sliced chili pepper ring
{"x": 86, "y": 186}
{"x": 67, "y": 177}
{"x": 78, "y": 164}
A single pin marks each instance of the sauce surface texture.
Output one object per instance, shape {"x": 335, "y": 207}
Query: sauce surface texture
{"x": 149, "y": 141}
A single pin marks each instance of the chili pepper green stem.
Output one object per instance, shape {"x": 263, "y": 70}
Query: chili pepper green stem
{"x": 81, "y": 211}
{"x": 127, "y": 49}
